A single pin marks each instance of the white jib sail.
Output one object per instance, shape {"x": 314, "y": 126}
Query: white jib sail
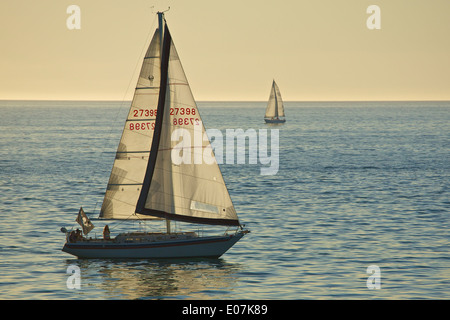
{"x": 132, "y": 155}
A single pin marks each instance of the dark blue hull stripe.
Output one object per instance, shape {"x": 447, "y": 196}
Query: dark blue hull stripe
{"x": 143, "y": 246}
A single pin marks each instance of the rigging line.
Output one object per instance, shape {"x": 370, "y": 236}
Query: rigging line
{"x": 121, "y": 222}
{"x": 143, "y": 50}
{"x": 129, "y": 218}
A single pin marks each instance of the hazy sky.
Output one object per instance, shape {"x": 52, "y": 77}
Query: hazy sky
{"x": 230, "y": 50}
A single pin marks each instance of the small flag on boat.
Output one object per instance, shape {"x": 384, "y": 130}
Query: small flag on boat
{"x": 84, "y": 221}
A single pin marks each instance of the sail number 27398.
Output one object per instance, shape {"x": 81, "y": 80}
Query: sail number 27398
{"x": 142, "y": 126}
{"x": 144, "y": 113}
{"x": 173, "y": 112}
{"x": 182, "y": 111}
{"x": 183, "y": 116}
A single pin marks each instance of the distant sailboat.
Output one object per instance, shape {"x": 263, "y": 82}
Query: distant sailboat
{"x": 146, "y": 184}
{"x": 275, "y": 108}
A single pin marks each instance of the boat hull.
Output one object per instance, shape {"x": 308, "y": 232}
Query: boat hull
{"x": 275, "y": 120}
{"x": 211, "y": 247}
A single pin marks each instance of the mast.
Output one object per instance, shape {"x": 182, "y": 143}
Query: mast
{"x": 160, "y": 27}
{"x": 276, "y": 99}
{"x": 161, "y": 35}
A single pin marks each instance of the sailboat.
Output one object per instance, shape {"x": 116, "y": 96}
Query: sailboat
{"x": 275, "y": 108}
{"x": 146, "y": 184}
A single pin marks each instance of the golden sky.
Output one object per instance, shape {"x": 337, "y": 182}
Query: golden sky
{"x": 230, "y": 50}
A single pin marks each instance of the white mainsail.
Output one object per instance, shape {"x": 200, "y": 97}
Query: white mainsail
{"x": 275, "y": 107}
{"x": 132, "y": 155}
{"x": 191, "y": 191}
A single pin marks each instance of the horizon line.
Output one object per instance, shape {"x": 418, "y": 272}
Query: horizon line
{"x": 344, "y": 100}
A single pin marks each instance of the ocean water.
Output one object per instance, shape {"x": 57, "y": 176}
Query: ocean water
{"x": 359, "y": 184}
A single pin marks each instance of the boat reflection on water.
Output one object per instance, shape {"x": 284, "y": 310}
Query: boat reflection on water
{"x": 157, "y": 279}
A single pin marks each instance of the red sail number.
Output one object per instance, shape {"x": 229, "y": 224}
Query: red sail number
{"x": 182, "y": 111}
{"x": 185, "y": 121}
{"x": 144, "y": 113}
{"x": 142, "y": 126}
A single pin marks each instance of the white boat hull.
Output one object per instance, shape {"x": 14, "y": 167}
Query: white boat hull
{"x": 212, "y": 247}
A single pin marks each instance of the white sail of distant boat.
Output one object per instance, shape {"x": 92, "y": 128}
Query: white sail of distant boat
{"x": 146, "y": 184}
{"x": 275, "y": 107}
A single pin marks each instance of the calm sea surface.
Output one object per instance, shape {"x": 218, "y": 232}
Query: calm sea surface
{"x": 359, "y": 184}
